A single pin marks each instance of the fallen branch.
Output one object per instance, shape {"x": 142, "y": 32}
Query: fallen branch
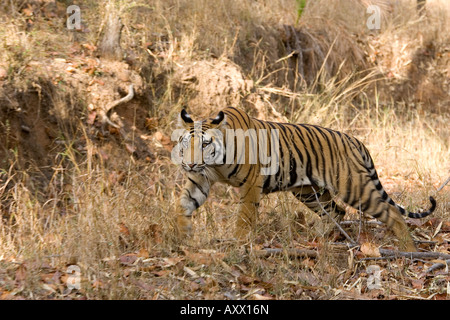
{"x": 437, "y": 266}
{"x": 351, "y": 222}
{"x": 103, "y": 112}
{"x": 444, "y": 184}
{"x": 290, "y": 252}
{"x": 413, "y": 255}
{"x": 385, "y": 254}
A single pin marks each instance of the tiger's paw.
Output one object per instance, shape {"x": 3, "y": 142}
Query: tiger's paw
{"x": 407, "y": 245}
{"x": 183, "y": 226}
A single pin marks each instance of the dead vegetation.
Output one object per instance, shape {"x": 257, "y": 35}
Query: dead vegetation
{"x": 86, "y": 181}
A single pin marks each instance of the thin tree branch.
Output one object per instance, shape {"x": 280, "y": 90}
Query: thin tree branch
{"x": 350, "y": 222}
{"x": 437, "y": 266}
{"x": 290, "y": 252}
{"x": 444, "y": 184}
{"x": 413, "y": 255}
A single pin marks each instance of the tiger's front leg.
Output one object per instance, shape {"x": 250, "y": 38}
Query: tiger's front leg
{"x": 248, "y": 211}
{"x": 193, "y": 195}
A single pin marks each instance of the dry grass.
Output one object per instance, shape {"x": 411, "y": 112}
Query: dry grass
{"x": 107, "y": 212}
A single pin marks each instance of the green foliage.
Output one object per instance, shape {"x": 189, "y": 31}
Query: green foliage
{"x": 301, "y": 4}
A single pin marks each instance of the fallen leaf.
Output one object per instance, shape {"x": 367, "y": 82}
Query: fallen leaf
{"x": 258, "y": 296}
{"x": 205, "y": 257}
{"x": 440, "y": 296}
{"x": 190, "y": 272}
{"x": 116, "y": 177}
{"x": 124, "y": 229}
{"x": 193, "y": 286}
{"x": 169, "y": 262}
{"x": 59, "y": 60}
{"x": 49, "y": 287}
{"x": 27, "y": 12}
{"x": 161, "y": 273}
{"x": 91, "y": 117}
{"x": 70, "y": 69}
{"x": 51, "y": 278}
{"x": 246, "y": 280}
{"x": 370, "y": 250}
{"x": 151, "y": 123}
{"x": 166, "y": 142}
{"x": 308, "y": 263}
{"x": 130, "y": 148}
{"x": 3, "y": 73}
{"x": 89, "y": 47}
{"x": 155, "y": 231}
{"x": 128, "y": 259}
{"x": 143, "y": 253}
{"x": 446, "y": 226}
{"x": 198, "y": 258}
{"x": 417, "y": 283}
{"x": 97, "y": 284}
{"x": 6, "y": 295}
{"x": 21, "y": 274}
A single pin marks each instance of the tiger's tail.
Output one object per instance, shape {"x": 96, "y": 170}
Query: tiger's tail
{"x": 374, "y": 177}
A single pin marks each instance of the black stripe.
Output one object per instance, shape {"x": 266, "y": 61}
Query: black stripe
{"x": 278, "y": 175}
{"x": 308, "y": 165}
{"x": 234, "y": 171}
{"x": 300, "y": 154}
{"x": 198, "y": 187}
{"x": 368, "y": 202}
{"x": 378, "y": 186}
{"x": 377, "y": 215}
{"x": 292, "y": 161}
{"x": 267, "y": 184}
{"x": 245, "y": 179}
{"x": 234, "y": 116}
{"x": 310, "y": 135}
{"x": 196, "y": 204}
{"x": 328, "y": 173}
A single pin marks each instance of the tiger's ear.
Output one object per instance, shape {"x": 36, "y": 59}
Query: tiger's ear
{"x": 185, "y": 118}
{"x": 219, "y": 120}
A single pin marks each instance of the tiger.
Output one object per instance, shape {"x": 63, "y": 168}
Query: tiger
{"x": 317, "y": 164}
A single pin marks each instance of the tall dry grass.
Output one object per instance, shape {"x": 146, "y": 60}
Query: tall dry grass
{"x": 107, "y": 210}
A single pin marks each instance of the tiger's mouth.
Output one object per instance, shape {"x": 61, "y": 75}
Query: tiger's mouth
{"x": 193, "y": 167}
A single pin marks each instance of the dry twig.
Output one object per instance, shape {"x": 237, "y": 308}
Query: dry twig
{"x": 290, "y": 252}
{"x": 413, "y": 255}
{"x": 437, "y": 266}
{"x": 444, "y": 184}
{"x": 103, "y": 112}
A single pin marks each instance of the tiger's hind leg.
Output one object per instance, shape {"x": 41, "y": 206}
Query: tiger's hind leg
{"x": 397, "y": 224}
{"x": 369, "y": 200}
{"x": 308, "y": 197}
{"x": 390, "y": 216}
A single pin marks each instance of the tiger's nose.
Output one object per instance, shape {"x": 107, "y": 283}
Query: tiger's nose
{"x": 191, "y": 165}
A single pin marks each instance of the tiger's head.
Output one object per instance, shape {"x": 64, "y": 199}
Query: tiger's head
{"x": 200, "y": 143}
